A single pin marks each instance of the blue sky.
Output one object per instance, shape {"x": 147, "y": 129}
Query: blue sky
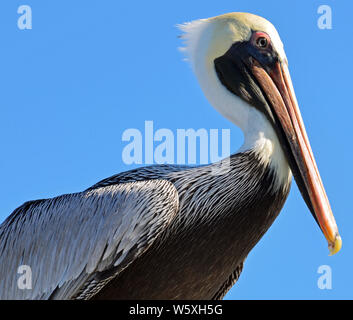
{"x": 87, "y": 71}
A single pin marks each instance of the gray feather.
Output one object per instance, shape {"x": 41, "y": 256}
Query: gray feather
{"x": 69, "y": 241}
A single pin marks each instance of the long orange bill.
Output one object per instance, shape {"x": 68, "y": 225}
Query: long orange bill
{"x": 277, "y": 86}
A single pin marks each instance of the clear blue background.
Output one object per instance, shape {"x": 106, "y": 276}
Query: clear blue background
{"x": 88, "y": 70}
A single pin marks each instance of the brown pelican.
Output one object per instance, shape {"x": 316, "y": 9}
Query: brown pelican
{"x": 176, "y": 232}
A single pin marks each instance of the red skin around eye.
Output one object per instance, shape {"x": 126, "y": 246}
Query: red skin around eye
{"x": 258, "y": 35}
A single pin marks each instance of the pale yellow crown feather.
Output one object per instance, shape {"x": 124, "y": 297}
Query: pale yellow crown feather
{"x": 214, "y": 36}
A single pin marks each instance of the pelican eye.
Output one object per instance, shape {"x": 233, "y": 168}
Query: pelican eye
{"x": 261, "y": 42}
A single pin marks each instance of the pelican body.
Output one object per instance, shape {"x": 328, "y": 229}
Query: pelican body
{"x": 178, "y": 232}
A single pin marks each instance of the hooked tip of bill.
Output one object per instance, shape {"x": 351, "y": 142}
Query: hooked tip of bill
{"x": 336, "y": 246}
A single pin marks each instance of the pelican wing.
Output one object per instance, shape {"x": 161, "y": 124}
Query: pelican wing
{"x": 70, "y": 246}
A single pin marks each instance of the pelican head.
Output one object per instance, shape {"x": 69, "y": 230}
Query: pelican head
{"x": 241, "y": 65}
